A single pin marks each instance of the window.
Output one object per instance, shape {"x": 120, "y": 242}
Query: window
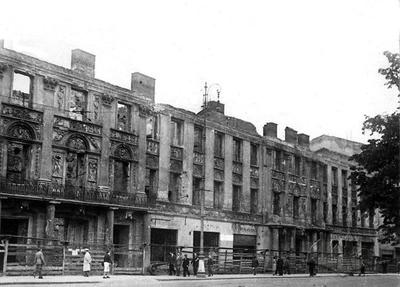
{"x": 334, "y": 214}
{"x": 344, "y": 178}
{"x": 18, "y": 162}
{"x": 218, "y": 194}
{"x": 176, "y": 132}
{"x": 253, "y": 200}
{"x": 77, "y": 105}
{"x": 268, "y": 158}
{"x": 152, "y": 127}
{"x": 196, "y": 193}
{"x": 324, "y": 173}
{"x": 22, "y": 87}
{"x": 325, "y": 211}
{"x": 254, "y": 154}
{"x": 198, "y": 139}
{"x": 277, "y": 203}
{"x": 123, "y": 117}
{"x": 354, "y": 217}
{"x": 237, "y": 150}
{"x": 344, "y": 215}
{"x": 151, "y": 183}
{"x": 219, "y": 144}
{"x": 236, "y": 190}
{"x": 278, "y": 160}
{"x": 297, "y": 165}
{"x": 296, "y": 200}
{"x": 313, "y": 210}
{"x": 371, "y": 218}
{"x": 314, "y": 170}
{"x": 334, "y": 176}
{"x": 121, "y": 176}
{"x": 174, "y": 186}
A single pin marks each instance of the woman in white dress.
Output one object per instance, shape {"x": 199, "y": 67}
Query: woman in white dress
{"x": 87, "y": 260}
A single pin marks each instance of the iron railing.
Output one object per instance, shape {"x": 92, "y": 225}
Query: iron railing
{"x": 59, "y": 191}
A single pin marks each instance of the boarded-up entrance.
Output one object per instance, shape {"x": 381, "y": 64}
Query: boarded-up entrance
{"x": 163, "y": 241}
{"x": 244, "y": 243}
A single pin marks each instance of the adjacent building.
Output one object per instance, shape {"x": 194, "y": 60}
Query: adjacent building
{"x": 87, "y": 163}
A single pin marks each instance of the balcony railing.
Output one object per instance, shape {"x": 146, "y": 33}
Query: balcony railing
{"x": 56, "y": 191}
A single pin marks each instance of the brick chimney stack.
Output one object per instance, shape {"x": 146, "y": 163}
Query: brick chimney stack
{"x": 270, "y": 130}
{"x": 143, "y": 86}
{"x": 303, "y": 140}
{"x": 290, "y": 135}
{"x": 83, "y": 62}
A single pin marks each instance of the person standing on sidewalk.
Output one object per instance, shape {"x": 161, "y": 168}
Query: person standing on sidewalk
{"x": 362, "y": 268}
{"x": 171, "y": 263}
{"x": 87, "y": 260}
{"x": 286, "y": 266}
{"x": 210, "y": 263}
{"x": 195, "y": 263}
{"x": 185, "y": 265}
{"x": 311, "y": 266}
{"x": 178, "y": 263}
{"x": 107, "y": 264}
{"x": 39, "y": 262}
{"x": 274, "y": 269}
{"x": 254, "y": 264}
{"x": 279, "y": 266}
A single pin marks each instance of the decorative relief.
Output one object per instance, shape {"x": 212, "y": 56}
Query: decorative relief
{"x": 21, "y": 98}
{"x": 254, "y": 172}
{"x": 107, "y": 99}
{"x": 254, "y": 182}
{"x": 218, "y": 174}
{"x": 92, "y": 170}
{"x": 289, "y": 204}
{"x": 152, "y": 161}
{"x": 278, "y": 174}
{"x": 236, "y": 178}
{"x": 219, "y": 163}
{"x": 96, "y": 107}
{"x": 315, "y": 189}
{"x": 198, "y": 170}
{"x": 303, "y": 205}
{"x": 77, "y": 143}
{"x": 145, "y": 111}
{"x": 276, "y": 185}
{"x": 61, "y": 96}
{"x": 36, "y": 153}
{"x": 237, "y": 168}
{"x": 153, "y": 147}
{"x": 49, "y": 84}
{"x": 176, "y": 153}
{"x": 123, "y": 152}
{"x": 58, "y": 134}
{"x": 3, "y": 68}
{"x": 293, "y": 178}
{"x": 198, "y": 158}
{"x": 20, "y": 132}
{"x": 77, "y": 125}
{"x": 58, "y": 164}
{"x": 124, "y": 137}
{"x": 22, "y": 113}
{"x": 175, "y": 165}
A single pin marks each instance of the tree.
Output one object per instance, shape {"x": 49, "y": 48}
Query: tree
{"x": 377, "y": 174}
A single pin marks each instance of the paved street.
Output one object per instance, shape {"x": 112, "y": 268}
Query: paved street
{"x": 328, "y": 280}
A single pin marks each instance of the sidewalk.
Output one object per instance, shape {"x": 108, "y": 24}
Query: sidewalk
{"x": 147, "y": 280}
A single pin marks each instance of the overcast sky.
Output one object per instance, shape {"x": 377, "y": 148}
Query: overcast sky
{"x": 310, "y": 64}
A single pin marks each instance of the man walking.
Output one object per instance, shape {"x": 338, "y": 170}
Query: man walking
{"x": 311, "y": 266}
{"x": 107, "y": 264}
{"x": 362, "y": 268}
{"x": 210, "y": 264}
{"x": 279, "y": 266}
{"x": 171, "y": 263}
{"x": 87, "y": 260}
{"x": 254, "y": 264}
{"x": 185, "y": 265}
{"x": 195, "y": 263}
{"x": 39, "y": 262}
{"x": 178, "y": 263}
{"x": 286, "y": 266}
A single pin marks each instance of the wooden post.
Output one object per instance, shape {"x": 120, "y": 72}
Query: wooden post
{"x": 143, "y": 259}
{"x": 5, "y": 257}
{"x": 265, "y": 259}
{"x": 226, "y": 258}
{"x": 63, "y": 262}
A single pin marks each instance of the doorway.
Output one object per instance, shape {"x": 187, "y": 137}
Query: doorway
{"x": 121, "y": 245}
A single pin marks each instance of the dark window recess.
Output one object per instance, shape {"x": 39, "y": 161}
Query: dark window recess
{"x": 152, "y": 127}
{"x": 296, "y": 200}
{"x": 354, "y": 217}
{"x": 237, "y": 189}
{"x": 334, "y": 176}
{"x": 237, "y": 150}
{"x": 344, "y": 178}
{"x": 18, "y": 162}
{"x": 218, "y": 194}
{"x": 334, "y": 214}
{"x": 371, "y": 219}
{"x": 314, "y": 171}
{"x": 219, "y": 144}
{"x": 121, "y": 176}
{"x": 176, "y": 132}
{"x": 163, "y": 241}
{"x": 198, "y": 139}
{"x": 22, "y": 90}
{"x": 297, "y": 165}
{"x": 151, "y": 183}
{"x": 254, "y": 154}
{"x": 278, "y": 160}
{"x": 78, "y": 105}
{"x": 324, "y": 173}
{"x": 325, "y": 211}
{"x": 313, "y": 210}
{"x": 197, "y": 186}
{"x": 123, "y": 117}
{"x": 253, "y": 200}
{"x": 211, "y": 242}
{"x": 174, "y": 186}
{"x": 277, "y": 203}
{"x": 344, "y": 215}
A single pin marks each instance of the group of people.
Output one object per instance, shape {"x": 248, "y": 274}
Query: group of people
{"x": 87, "y": 262}
{"x": 176, "y": 261}
{"x": 280, "y": 266}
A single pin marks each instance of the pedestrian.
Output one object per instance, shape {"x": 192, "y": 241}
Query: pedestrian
{"x": 107, "y": 264}
{"x": 87, "y": 260}
{"x": 210, "y": 264}
{"x": 39, "y": 262}
{"x": 274, "y": 269}
{"x": 398, "y": 267}
{"x": 185, "y": 265}
{"x": 178, "y": 263}
{"x": 195, "y": 263}
{"x": 171, "y": 264}
{"x": 362, "y": 268}
{"x": 254, "y": 264}
{"x": 311, "y": 266}
{"x": 279, "y": 266}
{"x": 286, "y": 266}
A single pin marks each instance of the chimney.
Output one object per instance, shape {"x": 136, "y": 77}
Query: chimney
{"x": 143, "y": 86}
{"x": 303, "y": 140}
{"x": 290, "y": 135}
{"x": 270, "y": 130}
{"x": 214, "y": 106}
{"x": 83, "y": 62}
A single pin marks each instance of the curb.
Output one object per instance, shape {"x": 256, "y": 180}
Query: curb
{"x": 246, "y": 277}
{"x": 47, "y": 283}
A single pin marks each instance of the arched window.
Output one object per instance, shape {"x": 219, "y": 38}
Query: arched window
{"x": 122, "y": 169}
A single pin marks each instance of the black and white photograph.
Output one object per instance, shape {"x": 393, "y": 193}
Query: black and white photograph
{"x": 188, "y": 143}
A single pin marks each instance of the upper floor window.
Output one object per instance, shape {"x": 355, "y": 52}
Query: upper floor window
{"x": 237, "y": 150}
{"x": 296, "y": 200}
{"x": 152, "y": 127}
{"x": 198, "y": 139}
{"x": 78, "y": 104}
{"x": 334, "y": 176}
{"x": 219, "y": 144}
{"x": 344, "y": 178}
{"x": 314, "y": 170}
{"x": 254, "y": 154}
{"x": 123, "y": 117}
{"x": 176, "y": 132}
{"x": 324, "y": 173}
{"x": 297, "y": 166}
{"x": 22, "y": 87}
{"x": 278, "y": 160}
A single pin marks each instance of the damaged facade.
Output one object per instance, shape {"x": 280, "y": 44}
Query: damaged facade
{"x": 92, "y": 164}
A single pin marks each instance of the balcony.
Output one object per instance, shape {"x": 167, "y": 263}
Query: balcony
{"x": 56, "y": 191}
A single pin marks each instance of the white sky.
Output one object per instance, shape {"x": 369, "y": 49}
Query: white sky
{"x": 310, "y": 64}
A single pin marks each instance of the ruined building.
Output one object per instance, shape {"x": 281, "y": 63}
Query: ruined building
{"x": 86, "y": 163}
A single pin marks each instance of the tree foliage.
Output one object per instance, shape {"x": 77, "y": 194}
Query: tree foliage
{"x": 377, "y": 174}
